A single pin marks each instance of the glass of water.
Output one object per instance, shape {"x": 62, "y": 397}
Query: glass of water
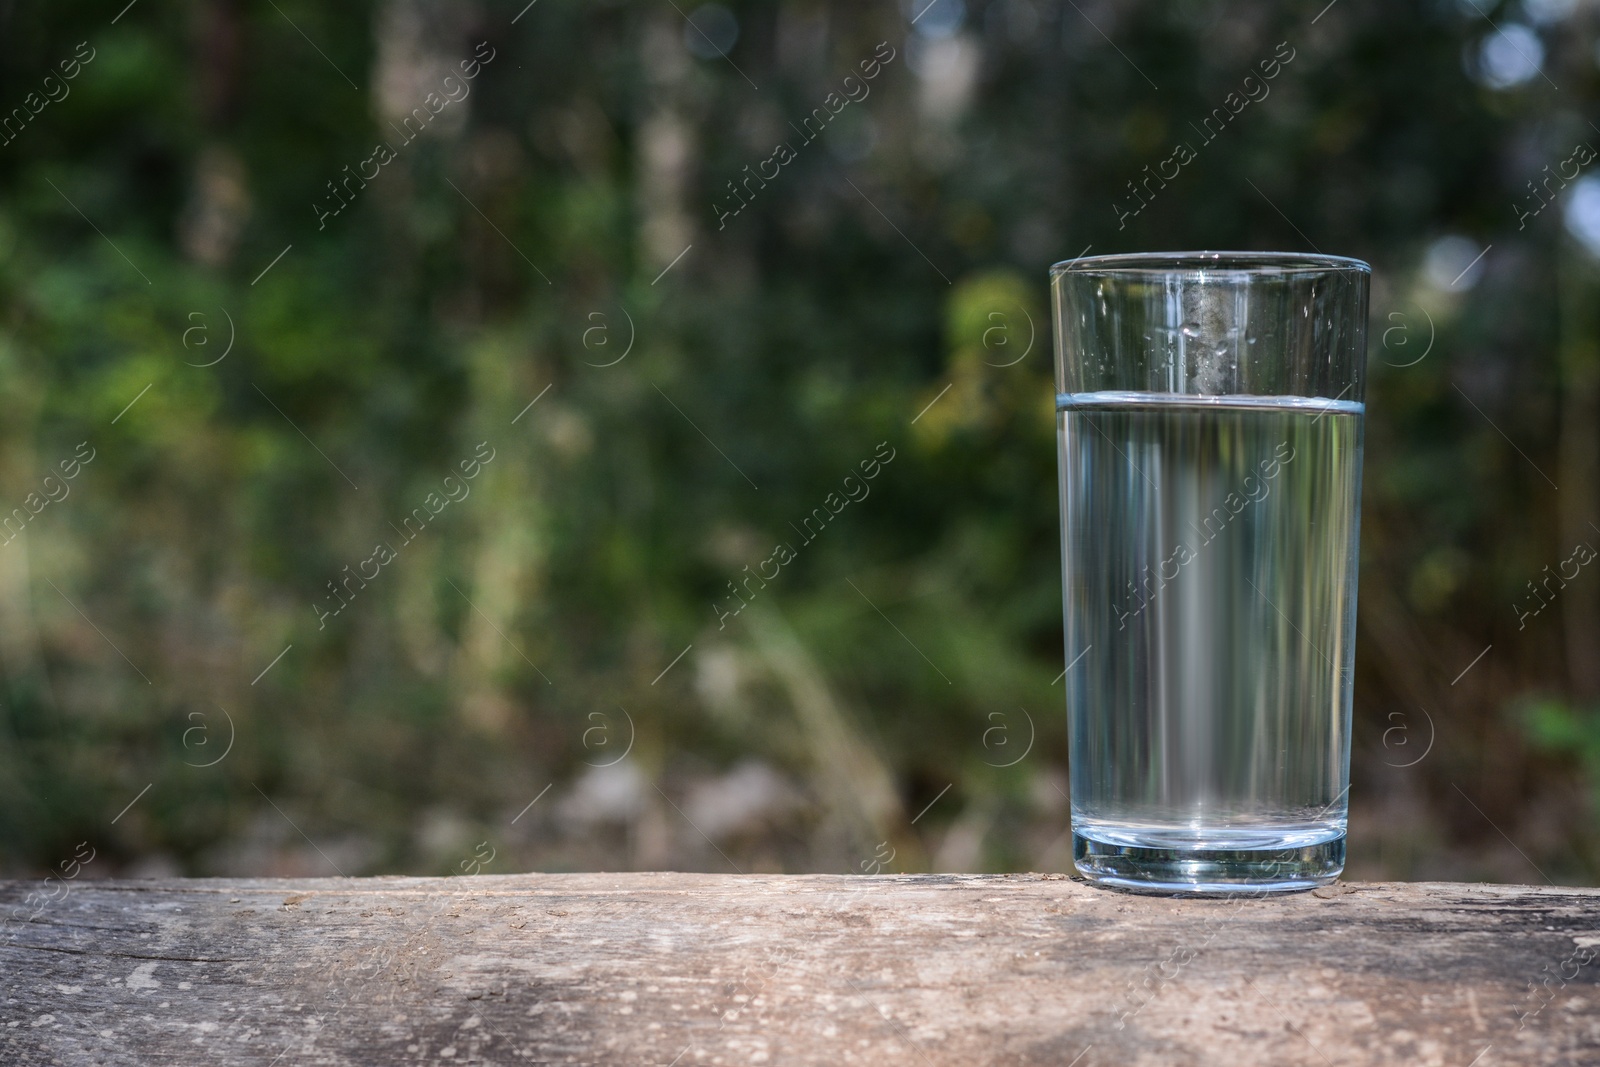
{"x": 1209, "y": 410}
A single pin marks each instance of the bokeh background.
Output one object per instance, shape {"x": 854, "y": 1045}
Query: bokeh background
{"x": 239, "y": 349}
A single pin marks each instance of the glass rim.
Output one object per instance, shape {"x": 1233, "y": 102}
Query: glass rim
{"x": 1245, "y": 263}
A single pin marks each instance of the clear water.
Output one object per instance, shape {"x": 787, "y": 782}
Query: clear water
{"x": 1209, "y": 556}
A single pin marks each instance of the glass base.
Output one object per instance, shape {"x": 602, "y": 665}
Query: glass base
{"x": 1162, "y": 868}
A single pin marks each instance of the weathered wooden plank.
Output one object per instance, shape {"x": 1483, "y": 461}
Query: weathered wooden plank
{"x": 697, "y": 969}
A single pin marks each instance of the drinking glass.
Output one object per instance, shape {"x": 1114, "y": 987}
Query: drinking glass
{"x": 1209, "y": 409}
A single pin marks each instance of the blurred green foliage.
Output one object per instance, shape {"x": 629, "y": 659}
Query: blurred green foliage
{"x": 697, "y": 391}
{"x": 1571, "y": 732}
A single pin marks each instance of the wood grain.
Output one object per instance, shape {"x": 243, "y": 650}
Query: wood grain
{"x": 700, "y": 969}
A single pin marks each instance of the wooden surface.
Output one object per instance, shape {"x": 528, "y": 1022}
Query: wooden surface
{"x": 701, "y": 969}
